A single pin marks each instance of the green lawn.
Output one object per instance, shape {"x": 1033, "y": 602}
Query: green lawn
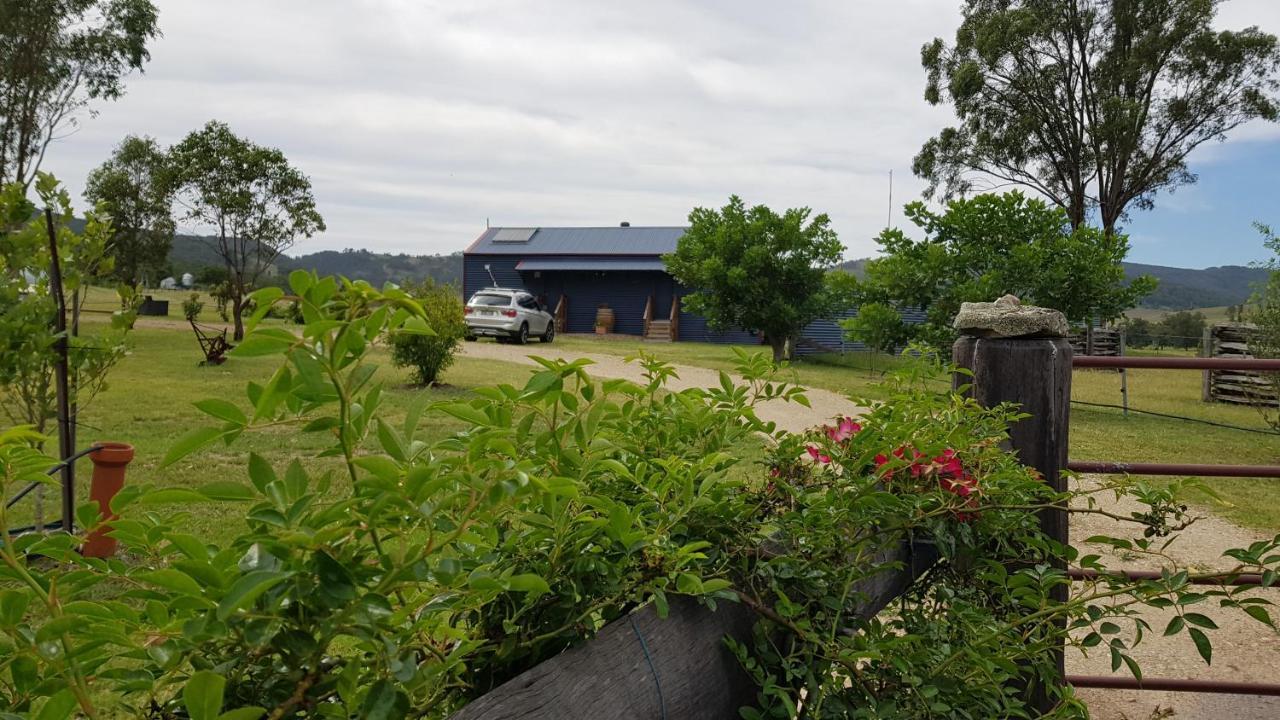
{"x": 148, "y": 403}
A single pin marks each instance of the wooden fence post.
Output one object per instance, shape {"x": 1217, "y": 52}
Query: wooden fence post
{"x": 1034, "y": 373}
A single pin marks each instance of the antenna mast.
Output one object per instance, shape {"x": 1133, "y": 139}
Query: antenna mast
{"x": 888, "y": 222}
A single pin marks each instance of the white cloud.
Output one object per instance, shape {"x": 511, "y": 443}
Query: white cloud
{"x": 419, "y": 119}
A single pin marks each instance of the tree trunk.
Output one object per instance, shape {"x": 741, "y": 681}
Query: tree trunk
{"x": 237, "y": 307}
{"x": 778, "y": 343}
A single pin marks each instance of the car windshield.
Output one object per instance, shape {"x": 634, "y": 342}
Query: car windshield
{"x": 491, "y": 300}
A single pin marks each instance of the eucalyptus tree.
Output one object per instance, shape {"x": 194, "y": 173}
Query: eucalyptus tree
{"x": 248, "y": 198}
{"x": 1095, "y": 104}
{"x": 56, "y": 57}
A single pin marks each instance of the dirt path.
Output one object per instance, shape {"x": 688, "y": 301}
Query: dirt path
{"x": 1244, "y": 650}
{"x": 789, "y": 416}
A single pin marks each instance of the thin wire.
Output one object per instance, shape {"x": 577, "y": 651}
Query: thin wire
{"x": 662, "y": 703}
{"x": 1260, "y": 431}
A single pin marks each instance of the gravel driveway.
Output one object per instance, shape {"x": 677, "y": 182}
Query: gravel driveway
{"x": 788, "y": 415}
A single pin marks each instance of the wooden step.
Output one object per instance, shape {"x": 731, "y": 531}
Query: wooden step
{"x": 659, "y": 331}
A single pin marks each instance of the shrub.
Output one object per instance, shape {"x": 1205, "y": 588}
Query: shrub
{"x": 423, "y": 574}
{"x": 430, "y": 355}
{"x": 192, "y": 307}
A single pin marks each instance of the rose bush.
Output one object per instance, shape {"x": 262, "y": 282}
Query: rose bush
{"x": 396, "y": 575}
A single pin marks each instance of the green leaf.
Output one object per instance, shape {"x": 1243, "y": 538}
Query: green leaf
{"x": 300, "y": 282}
{"x": 463, "y": 411}
{"x": 1175, "y": 626}
{"x": 189, "y": 443}
{"x": 227, "y": 490}
{"x": 1201, "y": 620}
{"x": 13, "y": 606}
{"x": 529, "y": 583}
{"x": 261, "y": 474}
{"x": 247, "y": 589}
{"x": 1203, "y": 645}
{"x": 165, "y": 496}
{"x": 1259, "y": 613}
{"x": 384, "y": 702}
{"x": 264, "y": 342}
{"x": 203, "y": 695}
{"x": 174, "y": 580}
{"x": 58, "y": 707}
{"x": 222, "y": 410}
{"x": 416, "y": 326}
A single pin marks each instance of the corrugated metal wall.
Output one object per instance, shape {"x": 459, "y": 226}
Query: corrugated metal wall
{"x": 830, "y": 335}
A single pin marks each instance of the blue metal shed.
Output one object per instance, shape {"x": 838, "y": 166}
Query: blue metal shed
{"x": 576, "y": 270}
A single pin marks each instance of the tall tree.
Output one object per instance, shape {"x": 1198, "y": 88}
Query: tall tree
{"x": 133, "y": 186}
{"x": 56, "y": 56}
{"x": 1095, "y": 104}
{"x": 254, "y": 202}
{"x": 754, "y": 269}
{"x": 984, "y": 247}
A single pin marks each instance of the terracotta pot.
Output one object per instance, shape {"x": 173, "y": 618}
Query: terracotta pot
{"x": 109, "y": 463}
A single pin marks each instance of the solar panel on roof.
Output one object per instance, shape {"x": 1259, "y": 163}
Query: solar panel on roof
{"x": 514, "y": 235}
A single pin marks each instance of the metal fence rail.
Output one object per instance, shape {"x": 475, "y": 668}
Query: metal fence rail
{"x": 1200, "y": 470}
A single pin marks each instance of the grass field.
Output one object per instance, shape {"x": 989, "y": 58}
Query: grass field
{"x": 149, "y": 403}
{"x": 1211, "y": 314}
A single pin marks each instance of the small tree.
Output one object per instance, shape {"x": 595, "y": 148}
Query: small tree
{"x": 984, "y": 247}
{"x": 754, "y": 269}
{"x": 1138, "y": 332}
{"x": 431, "y": 354}
{"x": 1265, "y": 343}
{"x": 254, "y": 202}
{"x": 192, "y": 307}
{"x": 1183, "y": 329}
{"x": 132, "y": 185}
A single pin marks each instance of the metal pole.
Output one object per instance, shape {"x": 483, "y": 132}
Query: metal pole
{"x": 61, "y": 373}
{"x": 1124, "y": 377}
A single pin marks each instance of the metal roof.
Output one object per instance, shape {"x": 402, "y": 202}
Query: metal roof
{"x": 579, "y": 241}
{"x": 594, "y": 263}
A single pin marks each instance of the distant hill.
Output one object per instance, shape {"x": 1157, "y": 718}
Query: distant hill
{"x": 1183, "y": 289}
{"x": 191, "y": 253}
{"x": 1180, "y": 288}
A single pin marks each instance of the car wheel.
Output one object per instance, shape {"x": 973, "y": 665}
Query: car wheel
{"x": 523, "y": 336}
{"x": 470, "y": 338}
{"x": 550, "y": 334}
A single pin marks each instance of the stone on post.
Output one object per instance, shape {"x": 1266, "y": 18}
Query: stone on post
{"x": 1020, "y": 354}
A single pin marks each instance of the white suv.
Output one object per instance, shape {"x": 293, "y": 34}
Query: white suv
{"x": 508, "y": 314}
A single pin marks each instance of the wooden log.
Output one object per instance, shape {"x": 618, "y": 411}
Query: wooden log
{"x": 1035, "y": 374}
{"x": 643, "y": 667}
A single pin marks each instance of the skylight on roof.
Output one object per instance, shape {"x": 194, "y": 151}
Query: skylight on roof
{"x": 514, "y": 235}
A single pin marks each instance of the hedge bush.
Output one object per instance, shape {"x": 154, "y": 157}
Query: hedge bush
{"x": 430, "y": 355}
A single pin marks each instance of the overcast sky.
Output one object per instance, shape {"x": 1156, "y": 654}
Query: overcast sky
{"x": 417, "y": 120}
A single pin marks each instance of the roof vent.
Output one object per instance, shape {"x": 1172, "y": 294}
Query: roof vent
{"x": 626, "y": 224}
{"x": 514, "y": 235}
